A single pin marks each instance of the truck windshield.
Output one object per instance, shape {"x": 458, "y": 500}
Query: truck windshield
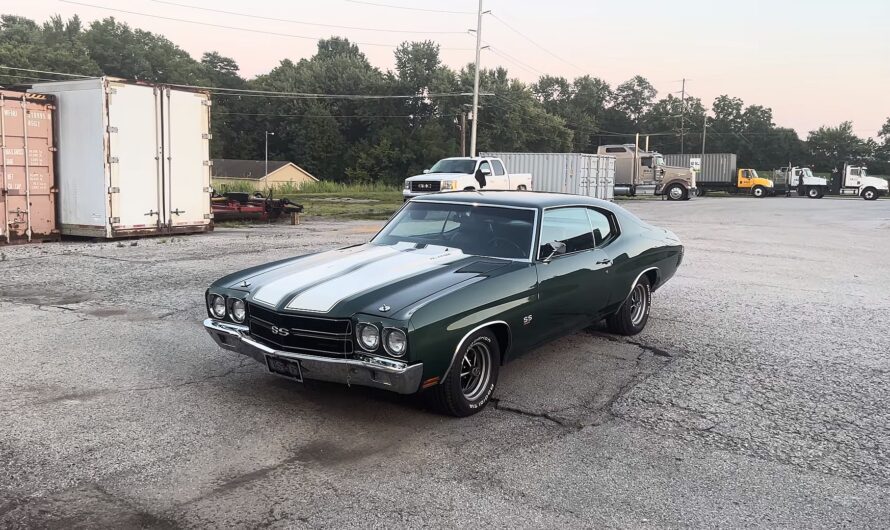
{"x": 454, "y": 166}
{"x": 807, "y": 172}
{"x": 753, "y": 174}
{"x": 658, "y": 160}
{"x": 489, "y": 231}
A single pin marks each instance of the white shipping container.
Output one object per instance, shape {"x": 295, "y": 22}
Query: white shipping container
{"x": 578, "y": 173}
{"x": 133, "y": 159}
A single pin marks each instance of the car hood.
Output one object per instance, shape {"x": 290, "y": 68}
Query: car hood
{"x": 373, "y": 279}
{"x": 439, "y": 176}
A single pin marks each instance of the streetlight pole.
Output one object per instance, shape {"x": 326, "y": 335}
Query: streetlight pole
{"x": 267, "y": 152}
{"x": 476, "y": 81}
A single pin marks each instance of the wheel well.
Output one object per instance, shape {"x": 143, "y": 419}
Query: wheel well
{"x": 469, "y": 188}
{"x": 502, "y": 333}
{"x": 868, "y": 188}
{"x": 652, "y": 276}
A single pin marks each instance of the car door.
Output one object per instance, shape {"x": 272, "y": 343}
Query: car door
{"x": 572, "y": 286}
{"x": 499, "y": 178}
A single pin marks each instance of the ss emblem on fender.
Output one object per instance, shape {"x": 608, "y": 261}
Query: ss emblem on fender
{"x": 526, "y": 320}
{"x": 280, "y": 331}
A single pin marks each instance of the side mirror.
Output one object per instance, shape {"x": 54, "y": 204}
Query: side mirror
{"x": 486, "y": 172}
{"x": 556, "y": 248}
{"x": 425, "y": 171}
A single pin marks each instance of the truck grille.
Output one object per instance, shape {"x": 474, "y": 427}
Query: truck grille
{"x": 426, "y": 185}
{"x": 301, "y": 334}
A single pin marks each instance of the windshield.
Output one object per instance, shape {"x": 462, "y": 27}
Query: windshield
{"x": 807, "y": 172}
{"x": 659, "y": 160}
{"x": 490, "y": 231}
{"x": 454, "y": 166}
{"x": 753, "y": 174}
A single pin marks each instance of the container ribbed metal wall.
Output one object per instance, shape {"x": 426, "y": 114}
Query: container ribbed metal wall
{"x": 578, "y": 173}
{"x": 716, "y": 167}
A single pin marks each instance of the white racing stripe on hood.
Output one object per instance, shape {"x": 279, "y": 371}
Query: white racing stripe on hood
{"x": 319, "y": 268}
{"x": 323, "y": 297}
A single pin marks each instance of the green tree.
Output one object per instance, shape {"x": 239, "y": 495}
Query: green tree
{"x": 831, "y": 147}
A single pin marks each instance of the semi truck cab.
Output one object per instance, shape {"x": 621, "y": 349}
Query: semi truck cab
{"x": 639, "y": 172}
{"x": 749, "y": 181}
{"x": 854, "y": 180}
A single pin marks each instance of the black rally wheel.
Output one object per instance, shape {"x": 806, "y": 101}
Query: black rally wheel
{"x": 633, "y": 314}
{"x": 471, "y": 381}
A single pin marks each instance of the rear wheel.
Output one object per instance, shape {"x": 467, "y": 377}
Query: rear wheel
{"x": 676, "y": 192}
{"x": 521, "y": 187}
{"x": 700, "y": 192}
{"x": 759, "y": 192}
{"x": 869, "y": 194}
{"x": 471, "y": 380}
{"x": 631, "y": 318}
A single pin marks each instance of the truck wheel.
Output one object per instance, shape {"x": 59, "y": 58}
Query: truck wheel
{"x": 470, "y": 382}
{"x": 676, "y": 192}
{"x": 813, "y": 192}
{"x": 869, "y": 194}
{"x": 631, "y": 318}
{"x": 759, "y": 192}
{"x": 700, "y": 192}
{"x": 521, "y": 187}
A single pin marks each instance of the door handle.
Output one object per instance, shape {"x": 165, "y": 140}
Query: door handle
{"x": 604, "y": 261}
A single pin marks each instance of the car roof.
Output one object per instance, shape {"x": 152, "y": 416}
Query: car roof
{"x": 522, "y": 199}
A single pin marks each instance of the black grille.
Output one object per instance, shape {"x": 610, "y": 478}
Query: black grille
{"x": 426, "y": 185}
{"x": 299, "y": 333}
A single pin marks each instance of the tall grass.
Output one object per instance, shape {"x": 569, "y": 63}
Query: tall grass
{"x": 327, "y": 186}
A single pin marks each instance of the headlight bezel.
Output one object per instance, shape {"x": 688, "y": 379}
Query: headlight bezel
{"x": 385, "y": 340}
{"x": 212, "y": 298}
{"x": 231, "y": 309}
{"x": 359, "y": 328}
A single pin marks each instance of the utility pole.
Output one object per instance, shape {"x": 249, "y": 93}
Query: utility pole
{"x": 704, "y": 132}
{"x": 463, "y": 133}
{"x": 683, "y": 116}
{"x": 267, "y": 151}
{"x": 476, "y": 81}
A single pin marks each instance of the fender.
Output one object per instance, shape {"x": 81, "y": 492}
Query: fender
{"x": 464, "y": 339}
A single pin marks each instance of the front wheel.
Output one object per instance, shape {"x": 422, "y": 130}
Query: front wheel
{"x": 631, "y": 318}
{"x": 870, "y": 194}
{"x": 813, "y": 192}
{"x": 759, "y": 192}
{"x": 676, "y": 192}
{"x": 471, "y": 380}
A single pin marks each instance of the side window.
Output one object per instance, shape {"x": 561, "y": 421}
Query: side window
{"x": 603, "y": 231}
{"x": 485, "y": 166}
{"x": 646, "y": 161}
{"x": 498, "y": 167}
{"x": 566, "y": 225}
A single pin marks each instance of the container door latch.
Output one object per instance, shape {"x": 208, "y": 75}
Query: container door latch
{"x": 177, "y": 211}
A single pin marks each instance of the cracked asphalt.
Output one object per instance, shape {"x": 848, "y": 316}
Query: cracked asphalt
{"x": 756, "y": 397}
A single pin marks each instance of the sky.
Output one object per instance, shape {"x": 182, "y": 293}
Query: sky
{"x": 814, "y": 62}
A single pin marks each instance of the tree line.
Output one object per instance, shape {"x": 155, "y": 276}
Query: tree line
{"x": 386, "y": 139}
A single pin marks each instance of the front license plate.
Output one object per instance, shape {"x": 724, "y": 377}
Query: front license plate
{"x": 285, "y": 368}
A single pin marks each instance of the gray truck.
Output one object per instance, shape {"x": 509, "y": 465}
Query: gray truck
{"x": 639, "y": 172}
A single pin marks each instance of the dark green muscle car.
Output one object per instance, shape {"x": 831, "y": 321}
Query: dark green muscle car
{"x": 453, "y": 286}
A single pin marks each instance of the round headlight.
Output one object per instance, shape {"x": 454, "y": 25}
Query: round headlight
{"x": 217, "y": 306}
{"x": 395, "y": 342}
{"x": 238, "y": 310}
{"x": 368, "y": 336}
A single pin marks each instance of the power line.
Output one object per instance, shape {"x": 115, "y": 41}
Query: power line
{"x": 510, "y": 58}
{"x": 237, "y": 28}
{"x": 391, "y": 6}
{"x": 291, "y": 21}
{"x": 44, "y": 72}
{"x": 526, "y": 37}
{"x": 274, "y": 115}
{"x": 14, "y": 76}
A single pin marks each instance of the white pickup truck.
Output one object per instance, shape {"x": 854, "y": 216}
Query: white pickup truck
{"x": 464, "y": 173}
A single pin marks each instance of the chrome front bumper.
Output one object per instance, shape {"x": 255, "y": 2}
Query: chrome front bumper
{"x": 362, "y": 370}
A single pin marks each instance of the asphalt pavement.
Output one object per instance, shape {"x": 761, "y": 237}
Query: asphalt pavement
{"x": 756, "y": 397}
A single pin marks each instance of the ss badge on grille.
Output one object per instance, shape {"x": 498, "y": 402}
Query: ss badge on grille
{"x": 280, "y": 331}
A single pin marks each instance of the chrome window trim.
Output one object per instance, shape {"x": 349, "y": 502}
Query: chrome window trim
{"x": 531, "y": 253}
{"x": 464, "y": 339}
{"x": 612, "y": 219}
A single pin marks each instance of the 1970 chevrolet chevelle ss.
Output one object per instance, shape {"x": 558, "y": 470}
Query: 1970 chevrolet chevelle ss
{"x": 452, "y": 287}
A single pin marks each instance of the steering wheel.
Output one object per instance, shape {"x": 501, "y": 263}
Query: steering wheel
{"x": 495, "y": 242}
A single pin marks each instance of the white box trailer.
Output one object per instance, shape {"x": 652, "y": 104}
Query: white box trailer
{"x": 133, "y": 158}
{"x": 578, "y": 173}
